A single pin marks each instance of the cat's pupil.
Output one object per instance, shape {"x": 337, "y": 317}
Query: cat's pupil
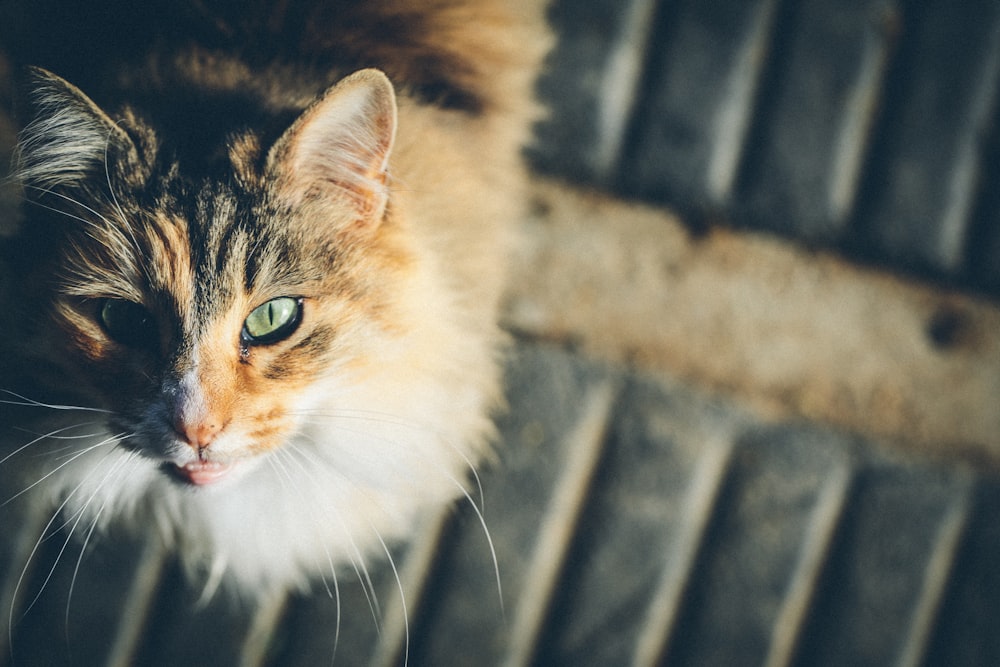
{"x": 128, "y": 323}
{"x": 272, "y": 321}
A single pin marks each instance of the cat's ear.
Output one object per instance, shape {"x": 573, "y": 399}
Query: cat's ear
{"x": 338, "y": 149}
{"x": 68, "y": 137}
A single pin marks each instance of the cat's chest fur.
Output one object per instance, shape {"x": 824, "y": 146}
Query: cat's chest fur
{"x": 255, "y": 306}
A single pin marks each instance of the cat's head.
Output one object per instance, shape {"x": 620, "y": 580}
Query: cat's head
{"x": 205, "y": 312}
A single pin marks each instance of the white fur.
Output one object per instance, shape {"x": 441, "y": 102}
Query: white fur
{"x": 350, "y": 480}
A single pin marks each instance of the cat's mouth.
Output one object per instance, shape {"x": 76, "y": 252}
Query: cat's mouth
{"x": 201, "y": 473}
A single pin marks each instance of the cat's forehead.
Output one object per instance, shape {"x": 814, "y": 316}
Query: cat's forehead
{"x": 242, "y": 243}
{"x": 198, "y": 248}
{"x": 221, "y": 235}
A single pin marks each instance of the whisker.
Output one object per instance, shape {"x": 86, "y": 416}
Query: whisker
{"x": 115, "y": 470}
{"x": 122, "y": 240}
{"x": 123, "y": 219}
{"x": 31, "y": 556}
{"x": 24, "y": 401}
{"x": 335, "y": 593}
{"x": 357, "y": 559}
{"x": 111, "y": 440}
{"x": 402, "y": 598}
{"x": 36, "y": 441}
{"x": 76, "y": 568}
{"x": 356, "y": 556}
{"x": 382, "y": 418}
{"x": 288, "y": 482}
{"x": 479, "y": 510}
{"x": 55, "y": 435}
{"x": 75, "y": 521}
{"x": 388, "y": 418}
{"x": 489, "y": 542}
{"x": 72, "y": 216}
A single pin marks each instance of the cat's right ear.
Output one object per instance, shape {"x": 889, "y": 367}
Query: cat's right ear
{"x": 68, "y": 136}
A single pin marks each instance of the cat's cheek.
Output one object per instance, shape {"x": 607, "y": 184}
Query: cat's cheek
{"x": 86, "y": 349}
{"x": 120, "y": 375}
{"x": 128, "y": 389}
{"x": 85, "y": 342}
{"x": 155, "y": 445}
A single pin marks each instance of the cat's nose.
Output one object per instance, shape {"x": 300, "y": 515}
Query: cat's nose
{"x": 199, "y": 433}
{"x": 197, "y": 417}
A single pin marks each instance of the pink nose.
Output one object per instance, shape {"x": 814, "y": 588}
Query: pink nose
{"x": 200, "y": 433}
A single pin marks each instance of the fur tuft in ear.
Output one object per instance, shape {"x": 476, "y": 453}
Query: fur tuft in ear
{"x": 68, "y": 137}
{"x": 338, "y": 149}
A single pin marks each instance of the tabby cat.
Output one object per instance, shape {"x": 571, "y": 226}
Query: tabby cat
{"x": 252, "y": 298}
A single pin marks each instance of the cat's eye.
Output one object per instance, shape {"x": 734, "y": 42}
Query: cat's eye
{"x": 272, "y": 321}
{"x": 127, "y": 322}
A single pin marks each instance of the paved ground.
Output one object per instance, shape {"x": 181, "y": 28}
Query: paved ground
{"x": 634, "y": 520}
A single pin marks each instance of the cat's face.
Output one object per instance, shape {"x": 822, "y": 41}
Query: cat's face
{"x": 205, "y": 313}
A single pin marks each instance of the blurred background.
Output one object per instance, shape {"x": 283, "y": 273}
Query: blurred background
{"x": 868, "y": 126}
{"x": 753, "y": 397}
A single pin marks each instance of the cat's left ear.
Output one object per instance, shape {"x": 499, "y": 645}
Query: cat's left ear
{"x": 338, "y": 149}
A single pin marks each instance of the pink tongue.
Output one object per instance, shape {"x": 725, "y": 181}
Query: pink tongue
{"x": 202, "y": 474}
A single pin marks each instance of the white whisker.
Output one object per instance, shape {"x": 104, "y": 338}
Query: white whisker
{"x": 288, "y": 482}
{"x": 27, "y": 402}
{"x": 357, "y": 559}
{"x": 123, "y": 219}
{"x": 55, "y": 435}
{"x": 402, "y": 598}
{"x": 335, "y": 593}
{"x": 385, "y": 418}
{"x": 45, "y": 534}
{"x": 111, "y": 440}
{"x": 35, "y": 441}
{"x": 89, "y": 223}
{"x": 115, "y": 469}
{"x": 122, "y": 240}
{"x": 489, "y": 542}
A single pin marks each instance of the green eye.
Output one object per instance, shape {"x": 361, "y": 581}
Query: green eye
{"x": 128, "y": 323}
{"x": 272, "y": 321}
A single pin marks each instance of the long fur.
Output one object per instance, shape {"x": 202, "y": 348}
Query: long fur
{"x": 200, "y": 177}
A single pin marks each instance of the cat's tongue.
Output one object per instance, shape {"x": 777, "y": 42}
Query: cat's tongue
{"x": 202, "y": 473}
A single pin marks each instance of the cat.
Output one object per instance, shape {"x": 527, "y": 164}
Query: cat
{"x": 252, "y": 302}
